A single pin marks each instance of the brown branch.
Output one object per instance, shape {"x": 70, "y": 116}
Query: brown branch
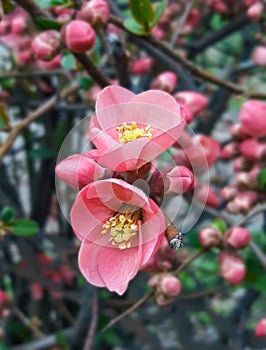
{"x": 189, "y": 260}
{"x": 94, "y": 321}
{"x": 28, "y": 323}
{"x": 45, "y": 107}
{"x": 191, "y": 67}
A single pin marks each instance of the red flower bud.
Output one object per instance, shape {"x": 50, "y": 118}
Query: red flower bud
{"x": 232, "y": 267}
{"x": 260, "y": 329}
{"x": 252, "y": 117}
{"x": 46, "y": 45}
{"x": 165, "y": 81}
{"x": 142, "y": 66}
{"x": 96, "y": 12}
{"x": 237, "y": 237}
{"x": 178, "y": 180}
{"x": 210, "y": 237}
{"x": 78, "y": 36}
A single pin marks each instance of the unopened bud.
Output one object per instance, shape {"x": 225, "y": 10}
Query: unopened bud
{"x": 238, "y": 131}
{"x": 195, "y": 101}
{"x": 142, "y": 66}
{"x": 46, "y": 45}
{"x": 230, "y": 150}
{"x": 253, "y": 150}
{"x": 178, "y": 180}
{"x": 95, "y": 12}
{"x": 255, "y": 11}
{"x": 232, "y": 267}
{"x": 259, "y": 56}
{"x": 170, "y": 285}
{"x": 229, "y": 192}
{"x": 241, "y": 164}
{"x": 165, "y": 81}
{"x": 260, "y": 329}
{"x": 210, "y": 237}
{"x": 78, "y": 36}
{"x": 252, "y": 117}
{"x": 237, "y": 237}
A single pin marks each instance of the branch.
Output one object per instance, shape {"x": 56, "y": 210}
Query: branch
{"x": 94, "y": 321}
{"x": 45, "y": 107}
{"x": 194, "y": 69}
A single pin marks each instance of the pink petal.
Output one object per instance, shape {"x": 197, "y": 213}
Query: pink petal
{"x": 113, "y": 95}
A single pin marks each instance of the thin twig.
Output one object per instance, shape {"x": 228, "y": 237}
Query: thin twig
{"x": 28, "y": 323}
{"x": 94, "y": 321}
{"x": 189, "y": 260}
{"x": 191, "y": 67}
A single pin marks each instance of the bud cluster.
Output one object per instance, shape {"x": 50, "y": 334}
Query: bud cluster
{"x": 166, "y": 288}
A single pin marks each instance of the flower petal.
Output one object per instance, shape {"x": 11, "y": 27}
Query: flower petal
{"x": 113, "y": 95}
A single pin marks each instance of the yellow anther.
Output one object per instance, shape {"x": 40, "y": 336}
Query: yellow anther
{"x": 128, "y": 133}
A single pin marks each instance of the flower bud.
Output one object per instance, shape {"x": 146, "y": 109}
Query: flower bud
{"x": 242, "y": 202}
{"x": 253, "y": 150}
{"x": 79, "y": 170}
{"x": 230, "y": 150}
{"x": 165, "y": 81}
{"x": 232, "y": 267}
{"x": 95, "y": 12}
{"x": 260, "y": 329}
{"x": 169, "y": 285}
{"x": 19, "y": 23}
{"x": 229, "y": 192}
{"x": 3, "y": 298}
{"x": 237, "y": 237}
{"x": 46, "y": 45}
{"x": 210, "y": 237}
{"x": 161, "y": 300}
{"x": 78, "y": 36}
{"x": 206, "y": 195}
{"x": 54, "y": 63}
{"x": 178, "y": 180}
{"x": 241, "y": 163}
{"x": 252, "y": 117}
{"x": 259, "y": 55}
{"x": 142, "y": 66}
{"x": 255, "y": 11}
{"x": 195, "y": 101}
{"x": 248, "y": 179}
{"x": 238, "y": 131}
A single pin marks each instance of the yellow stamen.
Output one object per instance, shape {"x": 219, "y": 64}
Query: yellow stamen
{"x": 122, "y": 227}
{"x": 128, "y": 133}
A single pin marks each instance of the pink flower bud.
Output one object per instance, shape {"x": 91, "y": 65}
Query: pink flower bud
{"x": 244, "y": 201}
{"x": 96, "y": 12}
{"x": 252, "y": 117}
{"x": 142, "y": 66}
{"x": 23, "y": 57}
{"x": 46, "y": 45}
{"x": 232, "y": 267}
{"x": 241, "y": 163}
{"x": 248, "y": 179}
{"x": 210, "y": 237}
{"x": 229, "y": 192}
{"x": 238, "y": 131}
{"x": 153, "y": 281}
{"x": 19, "y": 23}
{"x": 3, "y": 298}
{"x": 78, "y": 36}
{"x": 260, "y": 329}
{"x": 195, "y": 101}
{"x": 253, "y": 150}
{"x": 259, "y": 55}
{"x": 165, "y": 81}
{"x": 230, "y": 150}
{"x": 206, "y": 195}
{"x": 192, "y": 21}
{"x": 178, "y": 180}
{"x": 79, "y": 170}
{"x": 237, "y": 237}
{"x": 54, "y": 63}
{"x": 255, "y": 11}
{"x": 4, "y": 26}
{"x": 169, "y": 285}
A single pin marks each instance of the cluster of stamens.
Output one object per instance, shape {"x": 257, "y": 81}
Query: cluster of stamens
{"x": 122, "y": 227}
{"x": 128, "y": 133}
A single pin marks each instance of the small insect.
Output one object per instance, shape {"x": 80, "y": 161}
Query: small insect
{"x": 175, "y": 238}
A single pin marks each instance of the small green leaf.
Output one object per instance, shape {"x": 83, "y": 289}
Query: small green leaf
{"x": 219, "y": 224}
{"x": 62, "y": 340}
{"x": 50, "y": 3}
{"x": 41, "y": 153}
{"x": 7, "y": 215}
{"x": 68, "y": 61}
{"x": 24, "y": 227}
{"x": 133, "y": 26}
{"x": 46, "y": 23}
{"x": 7, "y": 6}
{"x": 141, "y": 11}
{"x": 158, "y": 12}
{"x": 262, "y": 179}
{"x": 85, "y": 82}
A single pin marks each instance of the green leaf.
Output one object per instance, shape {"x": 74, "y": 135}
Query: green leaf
{"x": 41, "y": 153}
{"x": 219, "y": 224}
{"x": 50, "y": 3}
{"x": 46, "y": 23}
{"x": 85, "y": 82}
{"x": 24, "y": 227}
{"x": 62, "y": 340}
{"x": 8, "y": 7}
{"x": 133, "y": 26}
{"x": 68, "y": 61}
{"x": 142, "y": 12}
{"x": 158, "y": 12}
{"x": 262, "y": 179}
{"x": 7, "y": 215}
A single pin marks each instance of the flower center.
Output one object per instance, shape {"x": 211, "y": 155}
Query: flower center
{"x": 128, "y": 133}
{"x": 122, "y": 227}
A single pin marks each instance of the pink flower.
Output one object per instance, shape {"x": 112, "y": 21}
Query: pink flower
{"x": 259, "y": 55}
{"x": 121, "y": 229}
{"x": 252, "y": 118}
{"x": 131, "y": 130}
{"x": 260, "y": 329}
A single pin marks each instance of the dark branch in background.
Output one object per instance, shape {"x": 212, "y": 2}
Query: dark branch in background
{"x": 32, "y": 8}
{"x": 94, "y": 321}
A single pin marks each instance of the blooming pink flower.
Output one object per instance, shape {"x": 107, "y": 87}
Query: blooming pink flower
{"x": 131, "y": 130}
{"x": 121, "y": 229}
{"x": 252, "y": 118}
